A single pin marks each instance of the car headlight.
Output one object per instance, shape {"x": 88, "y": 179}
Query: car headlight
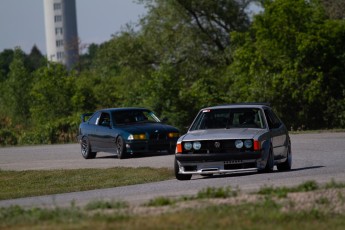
{"x": 141, "y": 136}
{"x": 187, "y": 146}
{"x": 248, "y": 144}
{"x": 173, "y": 135}
{"x": 239, "y": 144}
{"x": 197, "y": 145}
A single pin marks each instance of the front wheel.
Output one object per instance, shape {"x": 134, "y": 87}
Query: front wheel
{"x": 286, "y": 165}
{"x": 86, "y": 149}
{"x": 120, "y": 148}
{"x": 181, "y": 176}
{"x": 269, "y": 163}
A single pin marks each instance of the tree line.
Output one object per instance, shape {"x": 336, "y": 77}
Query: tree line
{"x": 184, "y": 55}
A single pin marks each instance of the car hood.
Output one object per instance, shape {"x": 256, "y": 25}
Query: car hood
{"x": 148, "y": 128}
{"x": 222, "y": 134}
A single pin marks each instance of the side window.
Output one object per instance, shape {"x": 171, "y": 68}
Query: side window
{"x": 94, "y": 119}
{"x": 276, "y": 120}
{"x": 272, "y": 119}
{"x": 104, "y": 120}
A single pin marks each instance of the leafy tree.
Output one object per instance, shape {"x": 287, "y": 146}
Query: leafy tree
{"x": 35, "y": 59}
{"x": 51, "y": 94}
{"x": 182, "y": 46}
{"x": 6, "y": 58}
{"x": 292, "y": 58}
{"x": 86, "y": 60}
{"x": 16, "y": 90}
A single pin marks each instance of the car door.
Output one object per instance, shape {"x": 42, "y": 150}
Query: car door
{"x": 277, "y": 132}
{"x": 91, "y": 129}
{"x": 104, "y": 132}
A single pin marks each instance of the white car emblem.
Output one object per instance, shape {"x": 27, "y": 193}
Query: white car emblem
{"x": 217, "y": 144}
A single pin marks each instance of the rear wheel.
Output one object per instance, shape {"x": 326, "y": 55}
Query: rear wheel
{"x": 86, "y": 149}
{"x": 286, "y": 165}
{"x": 120, "y": 148}
{"x": 180, "y": 176}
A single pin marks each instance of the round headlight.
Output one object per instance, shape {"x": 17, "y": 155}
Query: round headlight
{"x": 187, "y": 146}
{"x": 197, "y": 145}
{"x": 248, "y": 144}
{"x": 239, "y": 144}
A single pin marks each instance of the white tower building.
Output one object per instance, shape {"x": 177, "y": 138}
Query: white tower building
{"x": 60, "y": 19}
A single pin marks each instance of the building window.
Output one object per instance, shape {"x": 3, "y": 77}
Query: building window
{"x": 57, "y": 6}
{"x": 58, "y": 30}
{"x": 59, "y": 43}
{"x": 60, "y": 55}
{"x": 58, "y": 18}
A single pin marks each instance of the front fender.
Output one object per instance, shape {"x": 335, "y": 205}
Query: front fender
{"x": 265, "y": 151}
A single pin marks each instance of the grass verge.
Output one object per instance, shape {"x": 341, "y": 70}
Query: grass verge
{"x": 213, "y": 209}
{"x": 16, "y": 184}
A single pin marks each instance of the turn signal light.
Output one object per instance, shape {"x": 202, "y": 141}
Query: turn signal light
{"x": 172, "y": 135}
{"x": 257, "y": 145}
{"x": 178, "y": 148}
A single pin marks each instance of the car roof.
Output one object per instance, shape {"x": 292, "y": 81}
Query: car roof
{"x": 123, "y": 109}
{"x": 239, "y": 105}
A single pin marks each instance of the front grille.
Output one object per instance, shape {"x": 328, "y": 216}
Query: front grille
{"x": 158, "y": 136}
{"x": 219, "y": 146}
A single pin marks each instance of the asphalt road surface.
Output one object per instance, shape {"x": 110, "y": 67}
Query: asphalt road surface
{"x": 319, "y": 157}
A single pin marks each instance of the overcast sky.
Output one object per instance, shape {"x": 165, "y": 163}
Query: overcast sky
{"x": 22, "y": 21}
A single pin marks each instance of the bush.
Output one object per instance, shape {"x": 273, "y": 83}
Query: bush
{"x": 7, "y": 137}
{"x": 60, "y": 131}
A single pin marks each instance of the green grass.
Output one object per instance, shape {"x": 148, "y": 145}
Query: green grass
{"x": 103, "y": 204}
{"x": 15, "y": 184}
{"x": 160, "y": 201}
{"x": 263, "y": 214}
{"x": 221, "y": 192}
{"x": 206, "y": 193}
{"x": 307, "y": 186}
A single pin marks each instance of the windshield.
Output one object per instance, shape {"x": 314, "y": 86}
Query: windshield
{"x": 133, "y": 116}
{"x": 229, "y": 118}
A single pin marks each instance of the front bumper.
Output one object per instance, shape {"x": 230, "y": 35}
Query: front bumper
{"x": 218, "y": 163}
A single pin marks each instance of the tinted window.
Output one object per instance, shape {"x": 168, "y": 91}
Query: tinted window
{"x": 94, "y": 118}
{"x": 133, "y": 116}
{"x": 272, "y": 119}
{"x": 104, "y": 119}
{"x": 229, "y": 118}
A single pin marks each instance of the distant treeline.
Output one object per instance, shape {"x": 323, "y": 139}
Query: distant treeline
{"x": 184, "y": 55}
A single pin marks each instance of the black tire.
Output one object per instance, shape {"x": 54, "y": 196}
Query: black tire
{"x": 269, "y": 164}
{"x": 181, "y": 176}
{"x": 120, "y": 148}
{"x": 286, "y": 165}
{"x": 86, "y": 149}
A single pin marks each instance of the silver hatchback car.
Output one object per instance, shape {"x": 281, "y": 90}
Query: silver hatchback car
{"x": 233, "y": 138}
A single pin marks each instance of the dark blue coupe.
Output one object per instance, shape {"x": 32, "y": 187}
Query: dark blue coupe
{"x": 124, "y": 131}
